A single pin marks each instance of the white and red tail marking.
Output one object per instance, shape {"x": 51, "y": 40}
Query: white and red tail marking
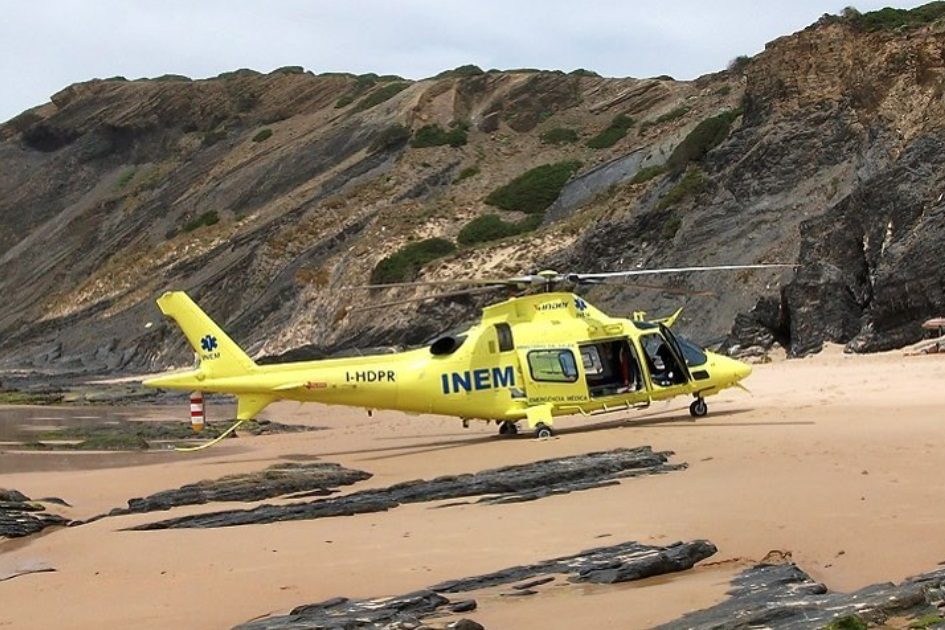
{"x": 197, "y": 416}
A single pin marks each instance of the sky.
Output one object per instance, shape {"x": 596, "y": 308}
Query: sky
{"x": 47, "y": 45}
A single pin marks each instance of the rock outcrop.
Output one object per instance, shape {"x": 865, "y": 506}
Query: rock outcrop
{"x": 297, "y": 480}
{"x": 783, "y": 597}
{"x": 524, "y": 482}
{"x": 21, "y": 516}
{"x": 619, "y": 563}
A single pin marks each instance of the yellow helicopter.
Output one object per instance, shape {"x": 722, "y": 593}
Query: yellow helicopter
{"x": 529, "y": 359}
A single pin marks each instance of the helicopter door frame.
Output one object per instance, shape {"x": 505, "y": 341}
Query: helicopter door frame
{"x": 657, "y": 391}
{"x": 676, "y": 349}
{"x": 564, "y": 380}
{"x": 635, "y": 387}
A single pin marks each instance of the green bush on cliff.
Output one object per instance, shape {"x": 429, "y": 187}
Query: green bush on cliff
{"x": 405, "y": 264}
{"x": 533, "y": 191}
{"x": 469, "y": 70}
{"x": 647, "y": 173}
{"x": 703, "y": 138}
{"x": 436, "y": 136}
{"x": 264, "y": 134}
{"x": 392, "y": 137}
{"x": 490, "y": 227}
{"x": 380, "y": 95}
{"x": 693, "y": 183}
{"x": 618, "y": 128}
{"x": 559, "y": 135}
{"x": 125, "y": 178}
{"x": 889, "y": 19}
{"x": 466, "y": 173}
{"x": 207, "y": 218}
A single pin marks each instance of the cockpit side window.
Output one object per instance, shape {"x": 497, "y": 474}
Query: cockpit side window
{"x": 504, "y": 332}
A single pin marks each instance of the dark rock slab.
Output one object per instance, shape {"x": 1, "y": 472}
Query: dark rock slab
{"x": 627, "y": 561}
{"x": 275, "y": 481}
{"x": 533, "y": 583}
{"x": 19, "y": 516}
{"x": 343, "y": 613}
{"x": 511, "y": 483}
{"x": 464, "y": 605}
{"x": 783, "y": 596}
{"x": 603, "y": 565}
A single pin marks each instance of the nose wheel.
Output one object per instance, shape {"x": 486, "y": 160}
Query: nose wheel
{"x": 508, "y": 428}
{"x": 542, "y": 430}
{"x": 698, "y": 408}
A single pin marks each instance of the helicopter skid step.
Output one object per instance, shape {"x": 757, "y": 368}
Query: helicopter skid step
{"x": 627, "y": 406}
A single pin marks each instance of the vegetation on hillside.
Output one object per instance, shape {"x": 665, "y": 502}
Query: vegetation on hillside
{"x": 618, "y": 128}
{"x": 380, "y": 95}
{"x": 466, "y": 173}
{"x": 263, "y": 134}
{"x": 436, "y": 136}
{"x": 469, "y": 70}
{"x": 533, "y": 191}
{"x": 405, "y": 264}
{"x": 392, "y": 137}
{"x": 889, "y": 19}
{"x": 209, "y": 217}
{"x": 703, "y": 138}
{"x": 647, "y": 173}
{"x": 127, "y": 175}
{"x": 559, "y": 135}
{"x": 693, "y": 183}
{"x": 490, "y": 227}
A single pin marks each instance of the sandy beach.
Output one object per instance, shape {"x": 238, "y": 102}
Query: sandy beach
{"x": 835, "y": 459}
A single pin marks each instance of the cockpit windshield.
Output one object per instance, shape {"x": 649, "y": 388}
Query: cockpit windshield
{"x": 693, "y": 354}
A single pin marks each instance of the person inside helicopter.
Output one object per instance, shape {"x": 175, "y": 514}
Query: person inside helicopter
{"x": 664, "y": 369}
{"x": 611, "y": 368}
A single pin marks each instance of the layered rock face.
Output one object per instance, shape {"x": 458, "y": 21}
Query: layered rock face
{"x": 267, "y": 196}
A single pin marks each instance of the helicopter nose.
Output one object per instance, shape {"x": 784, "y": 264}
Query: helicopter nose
{"x": 729, "y": 371}
{"x": 742, "y": 370}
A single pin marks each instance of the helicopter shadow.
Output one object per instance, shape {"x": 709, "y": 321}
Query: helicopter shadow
{"x": 676, "y": 421}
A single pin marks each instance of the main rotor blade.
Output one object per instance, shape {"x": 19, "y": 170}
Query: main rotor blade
{"x": 654, "y": 287}
{"x": 578, "y": 277}
{"x": 440, "y": 283}
{"x": 425, "y": 298}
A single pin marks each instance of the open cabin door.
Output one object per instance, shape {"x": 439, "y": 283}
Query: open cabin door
{"x": 552, "y": 375}
{"x": 677, "y": 351}
{"x": 612, "y": 369}
{"x": 668, "y": 374}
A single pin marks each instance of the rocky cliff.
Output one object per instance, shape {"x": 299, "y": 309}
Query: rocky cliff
{"x": 266, "y": 196}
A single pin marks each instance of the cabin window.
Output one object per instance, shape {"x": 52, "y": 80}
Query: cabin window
{"x": 504, "y": 331}
{"x": 557, "y": 366}
{"x": 590, "y": 357}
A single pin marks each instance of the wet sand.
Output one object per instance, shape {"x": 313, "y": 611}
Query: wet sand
{"x": 836, "y": 459}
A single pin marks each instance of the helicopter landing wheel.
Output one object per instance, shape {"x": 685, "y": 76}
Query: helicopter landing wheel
{"x": 542, "y": 430}
{"x": 508, "y": 428}
{"x": 698, "y": 408}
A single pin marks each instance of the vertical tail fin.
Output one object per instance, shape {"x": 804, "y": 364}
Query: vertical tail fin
{"x": 219, "y": 355}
